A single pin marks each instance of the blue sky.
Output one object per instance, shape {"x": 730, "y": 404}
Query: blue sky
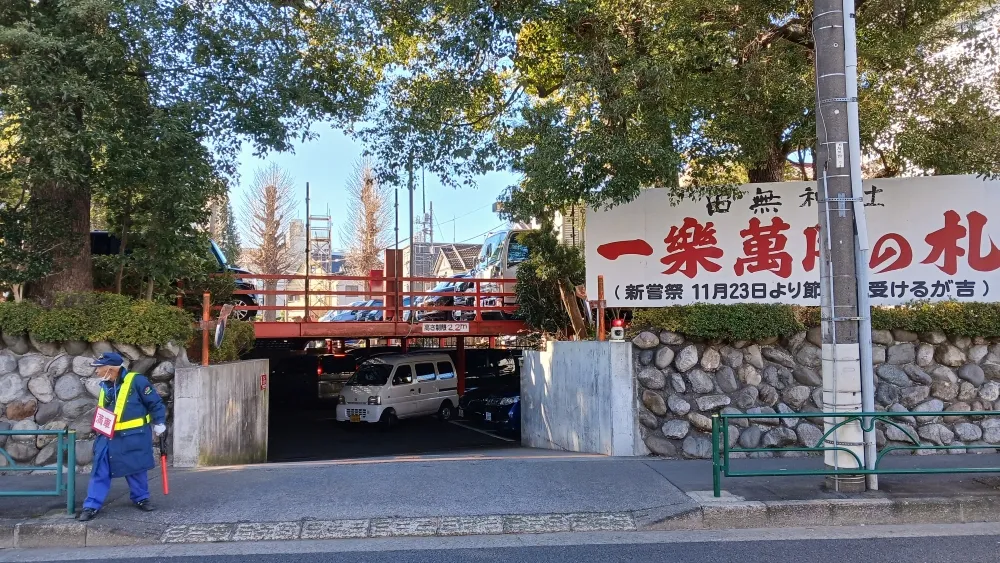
{"x": 327, "y": 161}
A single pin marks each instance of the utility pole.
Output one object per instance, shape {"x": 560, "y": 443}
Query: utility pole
{"x": 409, "y": 171}
{"x": 305, "y": 311}
{"x": 847, "y": 365}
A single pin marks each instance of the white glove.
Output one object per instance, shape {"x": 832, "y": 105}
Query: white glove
{"x": 159, "y": 429}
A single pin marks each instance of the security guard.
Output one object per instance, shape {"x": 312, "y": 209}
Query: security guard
{"x": 129, "y": 451}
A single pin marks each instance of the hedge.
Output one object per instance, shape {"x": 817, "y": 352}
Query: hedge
{"x": 751, "y": 321}
{"x": 96, "y": 317}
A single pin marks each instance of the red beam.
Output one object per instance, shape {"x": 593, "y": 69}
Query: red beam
{"x": 318, "y": 331}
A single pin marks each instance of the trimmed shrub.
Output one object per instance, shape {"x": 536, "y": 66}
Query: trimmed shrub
{"x": 751, "y": 321}
{"x": 95, "y": 317}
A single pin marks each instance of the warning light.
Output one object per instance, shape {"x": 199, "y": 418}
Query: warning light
{"x": 618, "y": 330}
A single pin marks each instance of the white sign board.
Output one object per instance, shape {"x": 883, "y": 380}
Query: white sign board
{"x": 438, "y": 328}
{"x": 931, "y": 238}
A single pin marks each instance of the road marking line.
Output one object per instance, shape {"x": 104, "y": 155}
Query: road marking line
{"x": 474, "y": 429}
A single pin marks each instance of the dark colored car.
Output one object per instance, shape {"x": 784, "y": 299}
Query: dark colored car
{"x": 372, "y": 314}
{"x": 493, "y": 389}
{"x": 443, "y": 300}
{"x": 497, "y": 408}
{"x": 343, "y": 316}
{"x": 103, "y": 243}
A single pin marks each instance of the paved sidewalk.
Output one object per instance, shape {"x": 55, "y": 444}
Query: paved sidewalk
{"x": 509, "y": 491}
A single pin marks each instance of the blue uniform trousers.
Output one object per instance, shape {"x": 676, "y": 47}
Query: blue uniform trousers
{"x": 100, "y": 482}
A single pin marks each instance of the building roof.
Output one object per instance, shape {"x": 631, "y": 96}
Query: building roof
{"x": 459, "y": 257}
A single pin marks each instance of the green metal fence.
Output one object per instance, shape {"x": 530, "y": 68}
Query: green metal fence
{"x": 64, "y": 466}
{"x": 867, "y": 420}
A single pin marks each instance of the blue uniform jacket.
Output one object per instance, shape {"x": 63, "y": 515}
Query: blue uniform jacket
{"x": 131, "y": 451}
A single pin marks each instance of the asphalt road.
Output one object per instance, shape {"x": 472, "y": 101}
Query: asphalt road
{"x": 313, "y": 434}
{"x": 964, "y": 549}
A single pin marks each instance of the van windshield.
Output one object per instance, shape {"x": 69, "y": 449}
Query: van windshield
{"x": 517, "y": 253}
{"x": 370, "y": 375}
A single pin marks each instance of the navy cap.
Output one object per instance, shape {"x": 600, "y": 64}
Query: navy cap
{"x": 108, "y": 359}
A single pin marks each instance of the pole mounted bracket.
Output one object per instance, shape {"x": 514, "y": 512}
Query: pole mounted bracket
{"x": 839, "y": 100}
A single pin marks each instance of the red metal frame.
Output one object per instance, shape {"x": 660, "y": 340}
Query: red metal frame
{"x": 390, "y": 291}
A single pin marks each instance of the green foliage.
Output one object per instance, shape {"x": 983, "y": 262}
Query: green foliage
{"x": 118, "y": 100}
{"x": 537, "y": 288}
{"x": 749, "y": 321}
{"x": 744, "y": 321}
{"x": 592, "y": 101}
{"x": 238, "y": 339}
{"x": 230, "y": 244}
{"x": 950, "y": 317}
{"x": 95, "y": 317}
{"x": 17, "y": 318}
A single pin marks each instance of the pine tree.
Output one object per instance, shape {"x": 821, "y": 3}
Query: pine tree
{"x": 230, "y": 236}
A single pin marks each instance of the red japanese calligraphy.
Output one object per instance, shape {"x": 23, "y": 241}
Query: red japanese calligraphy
{"x": 978, "y": 262}
{"x": 882, "y": 253}
{"x": 944, "y": 242}
{"x": 690, "y": 246}
{"x": 812, "y": 248}
{"x": 764, "y": 249}
{"x": 617, "y": 249}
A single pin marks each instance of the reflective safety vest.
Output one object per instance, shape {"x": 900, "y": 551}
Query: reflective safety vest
{"x": 120, "y": 401}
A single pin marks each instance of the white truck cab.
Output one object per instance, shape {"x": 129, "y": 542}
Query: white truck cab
{"x": 499, "y": 258}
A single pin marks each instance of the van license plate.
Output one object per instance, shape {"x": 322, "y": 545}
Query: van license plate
{"x": 355, "y": 418}
{"x": 461, "y": 413}
{"x": 489, "y": 417}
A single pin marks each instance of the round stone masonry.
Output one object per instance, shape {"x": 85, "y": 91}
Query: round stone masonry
{"x": 51, "y": 385}
{"x": 681, "y": 382}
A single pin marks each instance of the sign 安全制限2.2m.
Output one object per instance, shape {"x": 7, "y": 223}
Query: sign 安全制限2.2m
{"x": 930, "y": 238}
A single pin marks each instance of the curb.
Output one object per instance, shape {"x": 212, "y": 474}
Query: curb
{"x": 728, "y": 512}
{"x": 731, "y": 512}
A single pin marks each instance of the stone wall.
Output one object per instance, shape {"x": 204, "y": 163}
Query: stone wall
{"x": 51, "y": 386}
{"x": 682, "y": 382}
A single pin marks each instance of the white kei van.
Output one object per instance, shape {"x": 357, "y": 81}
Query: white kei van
{"x": 387, "y": 388}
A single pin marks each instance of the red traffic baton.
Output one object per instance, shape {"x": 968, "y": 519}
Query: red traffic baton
{"x": 163, "y": 463}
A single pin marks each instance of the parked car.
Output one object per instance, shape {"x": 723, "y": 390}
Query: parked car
{"x": 345, "y": 315}
{"x": 450, "y": 286}
{"x": 389, "y": 388}
{"x": 372, "y": 314}
{"x": 496, "y": 407}
{"x": 493, "y": 389}
{"x": 103, "y": 243}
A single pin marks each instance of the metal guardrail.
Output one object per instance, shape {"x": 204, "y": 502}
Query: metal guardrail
{"x": 867, "y": 421}
{"x": 65, "y": 466}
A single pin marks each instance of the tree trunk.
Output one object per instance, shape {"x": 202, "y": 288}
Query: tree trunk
{"x": 773, "y": 168}
{"x": 569, "y": 302}
{"x": 73, "y": 265}
{"x": 270, "y": 315}
{"x": 149, "y": 289}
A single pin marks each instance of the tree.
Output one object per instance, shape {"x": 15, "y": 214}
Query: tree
{"x": 230, "y": 235}
{"x": 546, "y": 282}
{"x": 366, "y": 232}
{"x": 267, "y": 211}
{"x": 593, "y": 101}
{"x": 75, "y": 75}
